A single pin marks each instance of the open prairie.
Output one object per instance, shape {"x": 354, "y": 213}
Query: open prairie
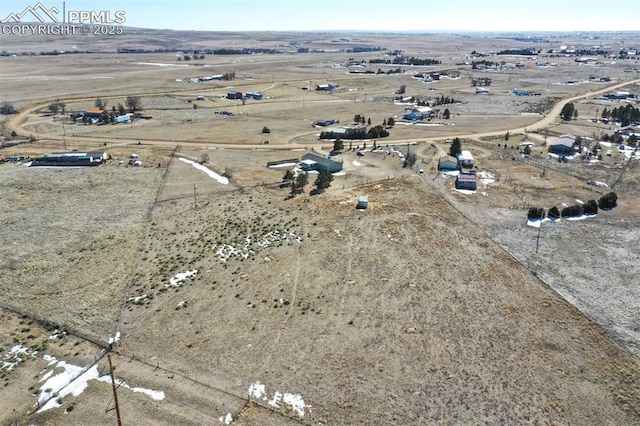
{"x": 220, "y": 297}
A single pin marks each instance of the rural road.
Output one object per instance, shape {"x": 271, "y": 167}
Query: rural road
{"x": 15, "y": 124}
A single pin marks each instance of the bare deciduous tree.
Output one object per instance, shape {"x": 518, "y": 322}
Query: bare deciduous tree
{"x": 134, "y": 103}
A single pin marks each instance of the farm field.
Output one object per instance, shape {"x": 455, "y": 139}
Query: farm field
{"x": 219, "y": 297}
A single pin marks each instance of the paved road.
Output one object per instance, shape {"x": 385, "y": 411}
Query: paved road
{"x": 15, "y": 124}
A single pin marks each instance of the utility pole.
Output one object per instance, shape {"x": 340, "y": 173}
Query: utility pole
{"x": 64, "y": 136}
{"x": 195, "y": 200}
{"x": 539, "y": 229}
{"x": 115, "y": 393}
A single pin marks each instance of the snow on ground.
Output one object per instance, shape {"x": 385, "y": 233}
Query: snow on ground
{"x": 258, "y": 391}
{"x": 486, "y": 178}
{"x": 249, "y": 245}
{"x": 226, "y": 419}
{"x": 177, "y": 279}
{"x": 156, "y": 395}
{"x": 221, "y": 179}
{"x": 73, "y": 380}
{"x": 357, "y": 163}
{"x": 465, "y": 191}
{"x": 451, "y": 173}
{"x": 115, "y": 339}
{"x": 277, "y": 166}
{"x": 16, "y": 355}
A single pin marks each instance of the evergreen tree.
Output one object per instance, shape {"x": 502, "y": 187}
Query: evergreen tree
{"x": 323, "y": 181}
{"x": 567, "y": 111}
{"x": 455, "y": 148}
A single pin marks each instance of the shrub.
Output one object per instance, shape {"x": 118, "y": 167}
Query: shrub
{"x": 591, "y": 207}
{"x": 573, "y": 211}
{"x": 608, "y": 201}
{"x": 553, "y": 213}
{"x": 535, "y": 213}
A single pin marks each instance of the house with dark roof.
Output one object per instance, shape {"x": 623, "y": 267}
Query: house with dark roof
{"x": 447, "y": 163}
{"x": 234, "y": 94}
{"x": 315, "y": 162}
{"x": 563, "y": 145}
{"x": 466, "y": 181}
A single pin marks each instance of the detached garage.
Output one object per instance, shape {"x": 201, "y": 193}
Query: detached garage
{"x": 315, "y": 162}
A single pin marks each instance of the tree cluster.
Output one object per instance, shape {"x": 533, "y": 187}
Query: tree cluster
{"x": 7, "y": 108}
{"x": 624, "y": 114}
{"x": 568, "y": 111}
{"x": 591, "y": 207}
{"x": 410, "y": 159}
{"x": 527, "y": 52}
{"x": 443, "y": 100}
{"x": 57, "y": 107}
{"x": 482, "y": 63}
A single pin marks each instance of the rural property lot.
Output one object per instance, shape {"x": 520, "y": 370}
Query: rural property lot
{"x": 229, "y": 299}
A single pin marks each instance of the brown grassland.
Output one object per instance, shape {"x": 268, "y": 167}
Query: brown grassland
{"x": 432, "y": 306}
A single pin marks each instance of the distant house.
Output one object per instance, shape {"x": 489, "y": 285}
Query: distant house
{"x": 413, "y": 116}
{"x": 466, "y": 181}
{"x": 312, "y": 161}
{"x": 254, "y": 95}
{"x": 234, "y": 94}
{"x": 327, "y": 87}
{"x": 520, "y": 92}
{"x": 363, "y": 202}
{"x": 325, "y": 123}
{"x": 71, "y": 159}
{"x": 563, "y": 145}
{"x": 465, "y": 159}
{"x": 94, "y": 114}
{"x": 447, "y": 163}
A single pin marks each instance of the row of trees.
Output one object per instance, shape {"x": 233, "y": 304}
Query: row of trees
{"x": 406, "y": 60}
{"x": 133, "y": 104}
{"x": 606, "y": 202}
{"x": 297, "y": 183}
{"x": 625, "y": 114}
{"x": 374, "y": 132}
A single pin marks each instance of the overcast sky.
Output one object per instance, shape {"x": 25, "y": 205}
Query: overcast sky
{"x": 380, "y": 15}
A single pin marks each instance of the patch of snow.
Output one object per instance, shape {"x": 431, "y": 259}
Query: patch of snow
{"x": 357, "y": 163}
{"x": 226, "y": 419}
{"x": 156, "y": 395}
{"x": 276, "y": 166}
{"x": 579, "y": 201}
{"x": 295, "y": 401}
{"x": 221, "y": 179}
{"x": 465, "y": 191}
{"x": 73, "y": 380}
{"x": 450, "y": 173}
{"x": 256, "y": 390}
{"x": 115, "y": 339}
{"x": 176, "y": 280}
{"x": 15, "y": 356}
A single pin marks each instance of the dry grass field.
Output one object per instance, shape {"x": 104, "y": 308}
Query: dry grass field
{"x": 236, "y": 301}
